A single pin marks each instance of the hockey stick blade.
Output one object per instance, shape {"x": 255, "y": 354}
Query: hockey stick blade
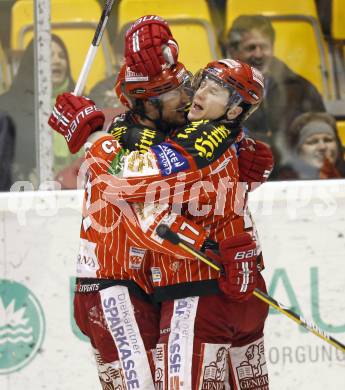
{"x": 164, "y": 232}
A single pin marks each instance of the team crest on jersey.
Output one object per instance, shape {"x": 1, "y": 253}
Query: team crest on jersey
{"x": 174, "y": 266}
{"x": 215, "y": 367}
{"x": 136, "y": 256}
{"x": 252, "y": 371}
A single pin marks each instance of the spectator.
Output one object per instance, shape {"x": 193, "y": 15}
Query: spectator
{"x": 7, "y": 141}
{"x": 315, "y": 149}
{"x": 18, "y": 105}
{"x": 61, "y": 81}
{"x": 103, "y": 93}
{"x": 251, "y": 39}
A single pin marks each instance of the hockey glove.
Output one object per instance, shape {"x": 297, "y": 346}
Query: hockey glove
{"x": 150, "y": 46}
{"x": 255, "y": 162}
{"x": 75, "y": 117}
{"x": 238, "y": 255}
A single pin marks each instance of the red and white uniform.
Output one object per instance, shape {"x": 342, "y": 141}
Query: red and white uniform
{"x": 189, "y": 279}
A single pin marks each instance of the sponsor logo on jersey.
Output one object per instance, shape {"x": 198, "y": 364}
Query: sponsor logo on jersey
{"x": 215, "y": 367}
{"x": 22, "y": 326}
{"x": 169, "y": 160}
{"x": 118, "y": 132}
{"x": 156, "y": 274}
{"x": 110, "y": 375}
{"x": 208, "y": 141}
{"x": 252, "y": 371}
{"x": 87, "y": 263}
{"x": 186, "y": 132}
{"x": 120, "y": 320}
{"x": 137, "y": 164}
{"x": 180, "y": 344}
{"x": 86, "y": 288}
{"x": 159, "y": 358}
{"x": 146, "y": 140}
{"x": 136, "y": 256}
{"x": 116, "y": 166}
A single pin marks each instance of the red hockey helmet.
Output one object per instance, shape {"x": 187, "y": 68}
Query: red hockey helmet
{"x": 245, "y": 83}
{"x": 118, "y": 87}
{"x": 131, "y": 86}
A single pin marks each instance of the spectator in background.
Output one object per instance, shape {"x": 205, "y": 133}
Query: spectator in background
{"x": 103, "y": 93}
{"x": 18, "y": 105}
{"x": 287, "y": 95}
{"x": 7, "y": 141}
{"x": 315, "y": 150}
{"x": 61, "y": 81}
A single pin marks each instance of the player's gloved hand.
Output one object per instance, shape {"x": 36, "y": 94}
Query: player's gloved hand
{"x": 75, "y": 117}
{"x": 255, "y": 162}
{"x": 238, "y": 255}
{"x": 150, "y": 46}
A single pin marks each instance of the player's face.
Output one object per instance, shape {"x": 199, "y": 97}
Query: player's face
{"x": 174, "y": 104}
{"x": 255, "y": 49}
{"x": 317, "y": 147}
{"x": 210, "y": 101}
{"x": 59, "y": 65}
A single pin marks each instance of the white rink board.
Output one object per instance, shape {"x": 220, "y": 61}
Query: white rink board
{"x": 302, "y": 229}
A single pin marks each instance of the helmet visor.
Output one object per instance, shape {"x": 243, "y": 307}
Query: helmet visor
{"x": 200, "y": 78}
{"x": 182, "y": 95}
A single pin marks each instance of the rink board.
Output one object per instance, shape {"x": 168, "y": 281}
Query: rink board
{"x": 302, "y": 229}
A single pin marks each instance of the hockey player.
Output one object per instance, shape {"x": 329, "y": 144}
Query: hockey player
{"x": 144, "y": 137}
{"x": 112, "y": 304}
{"x": 197, "y": 276}
{"x": 239, "y": 324}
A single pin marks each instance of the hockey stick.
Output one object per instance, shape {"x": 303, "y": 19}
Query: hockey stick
{"x": 164, "y": 232}
{"x": 93, "y": 48}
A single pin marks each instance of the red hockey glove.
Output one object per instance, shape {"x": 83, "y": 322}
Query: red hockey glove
{"x": 255, "y": 162}
{"x": 150, "y": 46}
{"x": 75, "y": 117}
{"x": 238, "y": 255}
